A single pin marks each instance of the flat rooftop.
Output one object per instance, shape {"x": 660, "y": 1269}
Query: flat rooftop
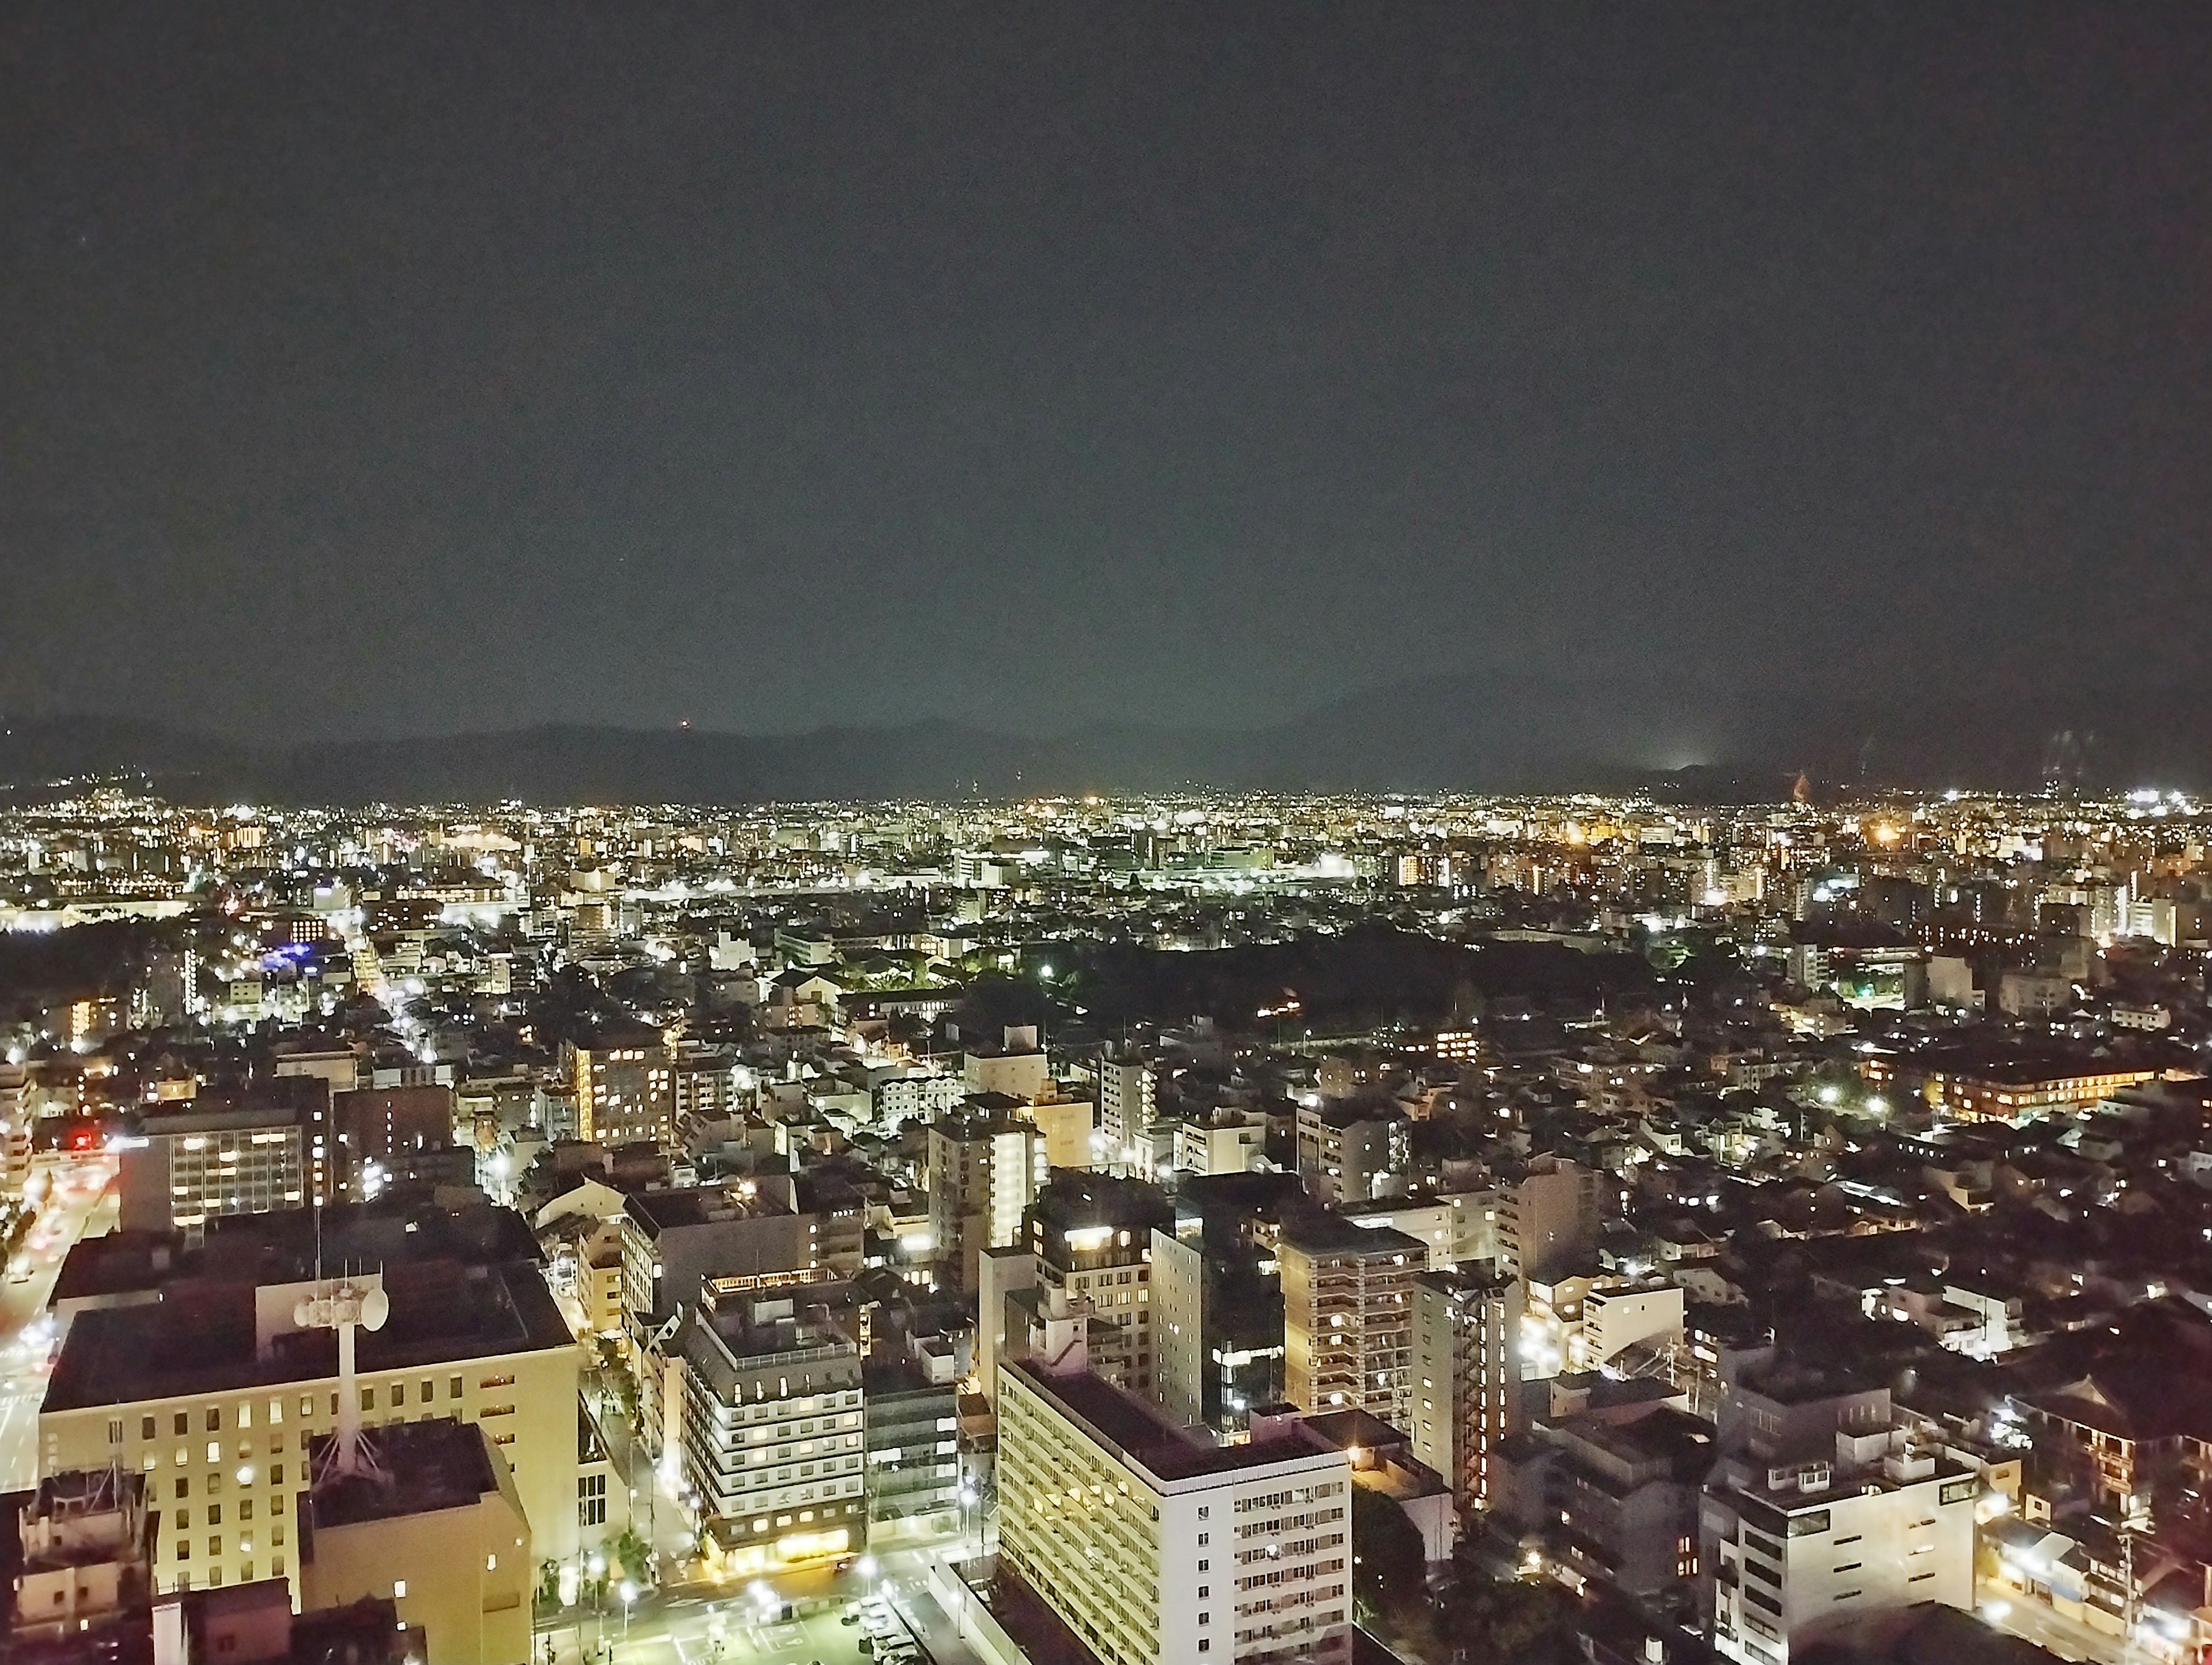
{"x": 1135, "y": 1430}
{"x": 286, "y": 1245}
{"x": 200, "y": 1336}
{"x": 428, "y": 1467}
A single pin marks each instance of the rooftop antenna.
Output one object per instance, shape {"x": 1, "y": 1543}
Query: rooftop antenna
{"x": 346, "y": 1304}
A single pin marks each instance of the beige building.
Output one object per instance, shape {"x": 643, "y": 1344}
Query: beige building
{"x": 1348, "y": 1317}
{"x": 625, "y": 1086}
{"x": 208, "y": 1387}
{"x": 440, "y": 1533}
{"x": 1466, "y": 1376}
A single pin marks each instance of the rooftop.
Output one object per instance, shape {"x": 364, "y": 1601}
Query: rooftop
{"x": 1138, "y": 1433}
{"x": 428, "y": 1467}
{"x": 201, "y": 1336}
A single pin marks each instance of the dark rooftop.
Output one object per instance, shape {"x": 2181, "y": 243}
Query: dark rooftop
{"x": 1137, "y": 1431}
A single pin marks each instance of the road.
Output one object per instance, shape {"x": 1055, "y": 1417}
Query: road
{"x": 2032, "y": 1622}
{"x": 692, "y": 1625}
{"x": 80, "y": 1203}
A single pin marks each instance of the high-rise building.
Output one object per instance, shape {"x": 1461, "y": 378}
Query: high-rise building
{"x": 625, "y": 1083}
{"x": 984, "y": 1172}
{"x": 771, "y": 1430}
{"x": 1348, "y": 1317}
{"x": 1092, "y": 1236}
{"x": 1467, "y": 1375}
{"x": 1159, "y": 1548}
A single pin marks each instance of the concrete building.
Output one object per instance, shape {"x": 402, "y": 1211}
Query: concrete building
{"x": 1348, "y": 1317}
{"x": 1227, "y": 1144}
{"x": 1092, "y": 1237}
{"x": 86, "y": 1543}
{"x": 625, "y": 1083}
{"x": 1016, "y": 1067}
{"x": 676, "y": 1244}
{"x": 1467, "y": 1375}
{"x": 1218, "y": 1296}
{"x": 1456, "y": 1225}
{"x": 1156, "y": 1548}
{"x": 439, "y": 1531}
{"x": 983, "y": 1171}
{"x": 182, "y": 1169}
{"x": 770, "y": 1433}
{"x": 1823, "y": 1510}
{"x": 1348, "y": 1150}
{"x": 1128, "y": 1100}
{"x": 195, "y": 1373}
{"x": 1547, "y": 1219}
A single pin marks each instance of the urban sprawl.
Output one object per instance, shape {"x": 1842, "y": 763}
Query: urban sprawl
{"x": 1146, "y": 1231}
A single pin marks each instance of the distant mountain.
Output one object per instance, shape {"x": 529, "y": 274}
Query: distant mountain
{"x": 1480, "y": 732}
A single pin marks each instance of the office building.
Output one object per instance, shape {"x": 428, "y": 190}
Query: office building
{"x": 913, "y": 1444}
{"x": 186, "y": 1363}
{"x": 182, "y": 1169}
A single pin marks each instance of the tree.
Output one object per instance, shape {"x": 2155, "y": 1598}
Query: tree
{"x": 1505, "y": 1621}
{"x": 1390, "y": 1566}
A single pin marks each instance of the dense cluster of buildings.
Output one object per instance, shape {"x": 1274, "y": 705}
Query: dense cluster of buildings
{"x": 1764, "y": 1222}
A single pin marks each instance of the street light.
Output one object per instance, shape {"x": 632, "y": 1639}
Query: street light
{"x": 628, "y": 1596}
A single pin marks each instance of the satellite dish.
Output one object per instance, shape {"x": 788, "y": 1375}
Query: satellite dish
{"x": 375, "y": 1308}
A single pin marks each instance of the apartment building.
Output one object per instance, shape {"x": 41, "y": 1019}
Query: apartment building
{"x": 1466, "y": 1376}
{"x": 1128, "y": 1099}
{"x": 624, "y": 1081}
{"x": 1825, "y": 1509}
{"x": 1156, "y": 1548}
{"x": 1548, "y": 1218}
{"x": 1346, "y": 1149}
{"x": 983, "y": 1171}
{"x": 1092, "y": 1236}
{"x": 1348, "y": 1317}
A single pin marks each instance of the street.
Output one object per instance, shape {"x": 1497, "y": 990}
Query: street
{"x": 2033, "y": 1621}
{"x": 80, "y": 1203}
{"x": 692, "y": 1625}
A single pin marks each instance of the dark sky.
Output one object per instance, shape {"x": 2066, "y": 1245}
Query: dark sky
{"x": 380, "y": 369}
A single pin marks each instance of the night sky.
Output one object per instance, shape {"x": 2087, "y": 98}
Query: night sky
{"x": 386, "y": 369}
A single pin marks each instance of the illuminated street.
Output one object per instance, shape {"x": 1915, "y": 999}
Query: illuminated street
{"x": 687, "y": 1626}
{"x": 82, "y": 1203}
